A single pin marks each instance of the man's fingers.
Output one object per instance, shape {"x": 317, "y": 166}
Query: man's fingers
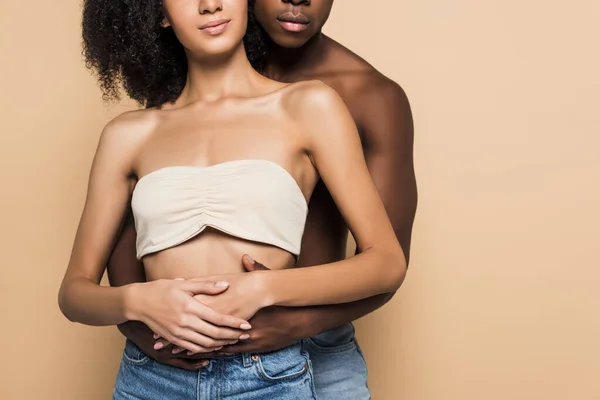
{"x": 250, "y": 347}
{"x": 240, "y": 347}
{"x": 190, "y": 365}
{"x": 251, "y": 265}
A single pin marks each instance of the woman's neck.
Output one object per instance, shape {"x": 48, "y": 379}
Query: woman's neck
{"x": 214, "y": 78}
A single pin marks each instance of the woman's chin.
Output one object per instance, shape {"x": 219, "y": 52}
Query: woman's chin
{"x": 210, "y": 52}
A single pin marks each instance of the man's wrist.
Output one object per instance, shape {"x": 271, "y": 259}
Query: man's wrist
{"x": 302, "y": 322}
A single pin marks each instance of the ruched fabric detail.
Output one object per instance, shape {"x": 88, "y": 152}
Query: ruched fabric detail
{"x": 255, "y": 200}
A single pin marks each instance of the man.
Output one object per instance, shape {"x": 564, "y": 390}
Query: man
{"x": 299, "y": 51}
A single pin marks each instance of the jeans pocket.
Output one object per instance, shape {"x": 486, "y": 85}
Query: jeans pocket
{"x": 133, "y": 355}
{"x": 286, "y": 364}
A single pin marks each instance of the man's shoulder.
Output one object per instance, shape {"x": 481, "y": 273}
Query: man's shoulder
{"x": 360, "y": 83}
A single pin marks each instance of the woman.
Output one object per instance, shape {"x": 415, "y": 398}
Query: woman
{"x": 222, "y": 164}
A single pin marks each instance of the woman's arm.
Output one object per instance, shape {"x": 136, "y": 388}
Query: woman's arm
{"x": 383, "y": 112}
{"x": 166, "y": 306}
{"x": 81, "y": 298}
{"x": 334, "y": 146}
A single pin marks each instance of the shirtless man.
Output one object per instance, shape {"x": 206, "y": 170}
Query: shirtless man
{"x": 299, "y": 51}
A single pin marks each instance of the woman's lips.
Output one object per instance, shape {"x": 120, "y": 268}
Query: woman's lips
{"x": 215, "y": 27}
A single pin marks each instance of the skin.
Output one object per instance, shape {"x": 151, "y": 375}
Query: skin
{"x": 288, "y": 128}
{"x": 382, "y": 114}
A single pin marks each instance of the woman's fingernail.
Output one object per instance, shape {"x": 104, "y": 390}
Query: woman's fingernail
{"x": 222, "y": 284}
{"x": 190, "y": 353}
{"x": 218, "y": 348}
{"x": 177, "y": 351}
{"x": 156, "y": 336}
{"x": 244, "y": 336}
{"x": 233, "y": 342}
{"x": 250, "y": 259}
{"x": 205, "y": 363}
{"x": 158, "y": 346}
{"x": 245, "y": 326}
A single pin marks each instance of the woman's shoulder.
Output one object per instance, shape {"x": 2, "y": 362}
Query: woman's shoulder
{"x": 133, "y": 123}
{"x": 313, "y": 92}
{"x": 127, "y": 132}
{"x": 312, "y": 101}
{"x": 131, "y": 126}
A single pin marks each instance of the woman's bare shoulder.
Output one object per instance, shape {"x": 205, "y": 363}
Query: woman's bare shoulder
{"x": 311, "y": 94}
{"x": 124, "y": 135}
{"x": 132, "y": 124}
{"x": 313, "y": 103}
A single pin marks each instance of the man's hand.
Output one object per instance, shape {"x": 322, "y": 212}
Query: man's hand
{"x": 273, "y": 328}
{"x": 141, "y": 335}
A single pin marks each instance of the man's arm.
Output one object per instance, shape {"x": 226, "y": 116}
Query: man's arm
{"x": 123, "y": 269}
{"x": 388, "y": 135}
{"x": 123, "y": 266}
{"x": 383, "y": 114}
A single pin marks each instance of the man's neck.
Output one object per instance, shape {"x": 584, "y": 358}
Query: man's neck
{"x": 283, "y": 64}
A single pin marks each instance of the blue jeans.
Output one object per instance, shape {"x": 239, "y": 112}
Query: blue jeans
{"x": 339, "y": 368}
{"x": 329, "y": 366}
{"x": 285, "y": 374}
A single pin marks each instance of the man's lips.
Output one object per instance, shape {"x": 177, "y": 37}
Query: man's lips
{"x": 290, "y": 17}
{"x": 293, "y": 22}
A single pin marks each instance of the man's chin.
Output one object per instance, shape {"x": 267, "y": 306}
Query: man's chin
{"x": 290, "y": 41}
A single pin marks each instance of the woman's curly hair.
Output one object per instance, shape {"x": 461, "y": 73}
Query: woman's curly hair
{"x": 125, "y": 44}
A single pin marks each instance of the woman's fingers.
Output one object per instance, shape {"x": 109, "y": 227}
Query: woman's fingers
{"x": 161, "y": 344}
{"x": 218, "y": 332}
{"x": 190, "y": 346}
{"x": 201, "y": 339}
{"x": 216, "y": 318}
{"x": 204, "y": 287}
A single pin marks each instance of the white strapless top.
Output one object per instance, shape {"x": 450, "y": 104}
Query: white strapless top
{"x": 256, "y": 200}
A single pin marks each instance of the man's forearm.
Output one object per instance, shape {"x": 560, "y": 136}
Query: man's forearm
{"x": 323, "y": 318}
{"x": 123, "y": 267}
{"x": 126, "y": 328}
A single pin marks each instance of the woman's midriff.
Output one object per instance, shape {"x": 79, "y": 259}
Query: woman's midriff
{"x": 212, "y": 253}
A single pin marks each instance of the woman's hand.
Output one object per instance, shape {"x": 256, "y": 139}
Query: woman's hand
{"x": 244, "y": 297}
{"x": 168, "y": 308}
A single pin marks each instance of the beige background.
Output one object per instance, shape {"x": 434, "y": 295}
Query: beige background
{"x": 501, "y": 301}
